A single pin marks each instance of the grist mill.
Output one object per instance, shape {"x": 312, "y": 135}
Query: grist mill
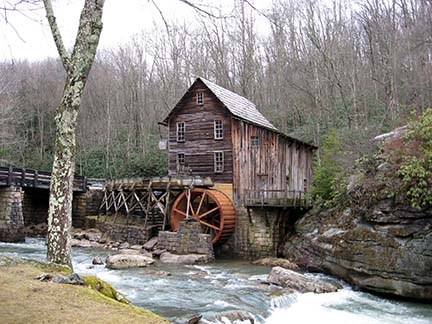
{"x": 229, "y": 170}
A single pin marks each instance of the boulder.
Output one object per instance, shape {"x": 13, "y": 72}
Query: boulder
{"x": 85, "y": 244}
{"x": 277, "y": 262}
{"x": 236, "y": 315}
{"x": 157, "y": 253}
{"x": 94, "y": 237}
{"x": 70, "y": 279}
{"x": 124, "y": 261}
{"x": 136, "y": 247}
{"x": 167, "y": 257}
{"x": 297, "y": 282}
{"x": 151, "y": 244}
{"x": 97, "y": 260}
{"x": 124, "y": 245}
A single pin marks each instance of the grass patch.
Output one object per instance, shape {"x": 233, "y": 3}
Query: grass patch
{"x": 24, "y": 299}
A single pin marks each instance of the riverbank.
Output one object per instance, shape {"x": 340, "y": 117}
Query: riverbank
{"x": 24, "y": 299}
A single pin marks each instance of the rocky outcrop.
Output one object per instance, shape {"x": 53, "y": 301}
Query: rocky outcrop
{"x": 297, "y": 282}
{"x": 384, "y": 248}
{"x": 125, "y": 261}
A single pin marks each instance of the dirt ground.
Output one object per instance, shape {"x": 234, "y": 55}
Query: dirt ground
{"x": 26, "y": 300}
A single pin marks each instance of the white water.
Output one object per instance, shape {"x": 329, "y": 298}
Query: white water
{"x": 233, "y": 285}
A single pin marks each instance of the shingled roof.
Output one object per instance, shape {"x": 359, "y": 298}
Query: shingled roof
{"x": 239, "y": 106}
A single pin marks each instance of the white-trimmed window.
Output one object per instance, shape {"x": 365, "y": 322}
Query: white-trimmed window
{"x": 181, "y": 159}
{"x": 218, "y": 161}
{"x": 218, "y": 129}
{"x": 254, "y": 141}
{"x": 200, "y": 98}
{"x": 181, "y": 131}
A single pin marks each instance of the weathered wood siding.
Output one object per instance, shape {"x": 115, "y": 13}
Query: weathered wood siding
{"x": 200, "y": 144}
{"x": 277, "y": 163}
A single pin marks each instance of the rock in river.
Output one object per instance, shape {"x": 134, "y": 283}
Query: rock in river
{"x": 167, "y": 257}
{"x": 295, "y": 281}
{"x": 277, "y": 262}
{"x": 124, "y": 261}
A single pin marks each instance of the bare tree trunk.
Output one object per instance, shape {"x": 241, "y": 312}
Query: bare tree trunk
{"x": 77, "y": 67}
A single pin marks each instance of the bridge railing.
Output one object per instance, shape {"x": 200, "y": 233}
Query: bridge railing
{"x": 278, "y": 198}
{"x": 29, "y": 178}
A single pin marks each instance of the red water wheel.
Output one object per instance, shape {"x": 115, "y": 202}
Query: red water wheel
{"x": 211, "y": 208}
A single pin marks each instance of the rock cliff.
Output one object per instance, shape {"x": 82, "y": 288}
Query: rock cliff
{"x": 384, "y": 248}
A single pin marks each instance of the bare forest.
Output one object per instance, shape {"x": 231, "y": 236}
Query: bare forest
{"x": 358, "y": 67}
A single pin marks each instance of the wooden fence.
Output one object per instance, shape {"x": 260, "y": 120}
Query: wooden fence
{"x": 28, "y": 178}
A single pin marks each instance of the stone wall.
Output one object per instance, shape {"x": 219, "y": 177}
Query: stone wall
{"x": 85, "y": 204}
{"x": 189, "y": 239}
{"x": 126, "y": 233}
{"x": 11, "y": 215}
{"x": 259, "y": 232}
{"x": 35, "y": 206}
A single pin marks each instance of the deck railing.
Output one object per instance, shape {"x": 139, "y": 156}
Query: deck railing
{"x": 29, "y": 178}
{"x": 278, "y": 198}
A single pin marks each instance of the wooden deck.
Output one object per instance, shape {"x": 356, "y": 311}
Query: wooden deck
{"x": 28, "y": 178}
{"x": 278, "y": 199}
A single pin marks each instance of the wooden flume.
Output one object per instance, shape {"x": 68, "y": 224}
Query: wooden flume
{"x": 171, "y": 200}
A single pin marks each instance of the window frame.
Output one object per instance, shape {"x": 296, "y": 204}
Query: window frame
{"x": 216, "y": 130}
{"x": 200, "y": 98}
{"x": 255, "y": 141}
{"x": 178, "y": 158}
{"x": 180, "y": 134}
{"x": 216, "y": 162}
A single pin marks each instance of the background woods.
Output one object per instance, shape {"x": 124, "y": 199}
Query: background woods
{"x": 358, "y": 68}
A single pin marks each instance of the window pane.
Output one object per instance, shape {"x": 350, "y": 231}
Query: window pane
{"x": 200, "y": 98}
{"x": 218, "y": 129}
{"x": 180, "y": 132}
{"x": 218, "y": 162}
{"x": 254, "y": 141}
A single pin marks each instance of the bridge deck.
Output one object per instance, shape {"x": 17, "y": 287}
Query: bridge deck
{"x": 28, "y": 178}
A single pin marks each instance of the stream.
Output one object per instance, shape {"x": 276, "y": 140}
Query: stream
{"x": 232, "y": 285}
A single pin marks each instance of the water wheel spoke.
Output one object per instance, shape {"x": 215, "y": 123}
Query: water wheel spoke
{"x": 208, "y": 212}
{"x": 201, "y": 202}
{"x": 180, "y": 212}
{"x": 210, "y": 225}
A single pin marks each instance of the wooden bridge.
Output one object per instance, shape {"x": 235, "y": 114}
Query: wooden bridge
{"x": 29, "y": 178}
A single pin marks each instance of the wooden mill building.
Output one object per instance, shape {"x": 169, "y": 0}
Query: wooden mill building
{"x": 217, "y": 133}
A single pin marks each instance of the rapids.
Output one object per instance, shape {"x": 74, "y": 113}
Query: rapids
{"x": 232, "y": 285}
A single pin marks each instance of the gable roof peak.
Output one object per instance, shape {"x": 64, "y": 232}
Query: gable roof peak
{"x": 239, "y": 106}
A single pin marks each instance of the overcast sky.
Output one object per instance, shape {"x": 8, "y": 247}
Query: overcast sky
{"x": 27, "y": 35}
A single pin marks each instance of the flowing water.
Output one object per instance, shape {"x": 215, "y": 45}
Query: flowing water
{"x": 232, "y": 285}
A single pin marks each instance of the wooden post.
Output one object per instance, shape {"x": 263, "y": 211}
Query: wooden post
{"x": 9, "y": 179}
{"x": 36, "y": 178}
{"x": 23, "y": 172}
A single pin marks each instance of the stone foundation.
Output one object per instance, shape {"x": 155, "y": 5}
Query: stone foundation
{"x": 189, "y": 239}
{"x": 85, "y": 204}
{"x": 35, "y": 206}
{"x": 11, "y": 215}
{"x": 259, "y": 232}
{"x": 127, "y": 233}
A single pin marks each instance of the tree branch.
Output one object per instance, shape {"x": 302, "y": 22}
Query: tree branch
{"x": 87, "y": 39}
{"x": 64, "y": 56}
